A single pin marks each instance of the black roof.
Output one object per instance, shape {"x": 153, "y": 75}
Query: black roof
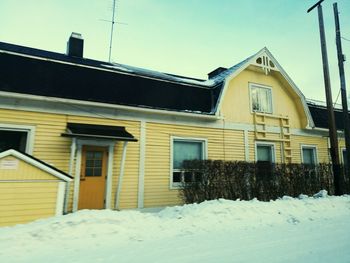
{"x": 98, "y": 131}
{"x": 320, "y": 116}
{"x": 37, "y": 72}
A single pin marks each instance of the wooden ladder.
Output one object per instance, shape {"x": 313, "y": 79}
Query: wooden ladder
{"x": 261, "y": 133}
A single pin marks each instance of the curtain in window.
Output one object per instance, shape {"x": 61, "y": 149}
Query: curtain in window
{"x": 261, "y": 99}
{"x": 184, "y": 150}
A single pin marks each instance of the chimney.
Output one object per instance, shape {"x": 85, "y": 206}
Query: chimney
{"x": 75, "y": 45}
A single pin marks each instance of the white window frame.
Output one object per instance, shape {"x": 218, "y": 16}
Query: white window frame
{"x": 255, "y": 85}
{"x": 270, "y": 144}
{"x": 309, "y": 146}
{"x": 204, "y": 141}
{"x": 30, "y": 130}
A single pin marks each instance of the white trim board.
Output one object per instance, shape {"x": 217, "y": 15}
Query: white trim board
{"x": 35, "y": 163}
{"x": 204, "y": 141}
{"x": 29, "y": 129}
{"x": 123, "y": 115}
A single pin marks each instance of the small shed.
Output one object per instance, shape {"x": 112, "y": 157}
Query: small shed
{"x": 30, "y": 189}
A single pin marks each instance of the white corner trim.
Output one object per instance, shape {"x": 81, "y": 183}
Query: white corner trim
{"x": 141, "y": 183}
{"x": 109, "y": 180}
{"x": 246, "y": 145}
{"x": 121, "y": 176}
{"x": 77, "y": 179}
{"x": 60, "y": 198}
{"x": 35, "y": 163}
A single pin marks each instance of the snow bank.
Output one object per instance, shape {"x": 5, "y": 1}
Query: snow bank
{"x": 106, "y": 230}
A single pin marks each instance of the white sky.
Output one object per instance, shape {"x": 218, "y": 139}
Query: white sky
{"x": 187, "y": 37}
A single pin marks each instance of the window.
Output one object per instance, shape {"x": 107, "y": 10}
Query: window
{"x": 309, "y": 155}
{"x": 185, "y": 149}
{"x": 261, "y": 99}
{"x": 12, "y": 139}
{"x": 265, "y": 153}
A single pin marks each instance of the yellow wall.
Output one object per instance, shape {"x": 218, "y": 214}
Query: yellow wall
{"x": 236, "y": 103}
{"x": 222, "y": 144}
{"x": 54, "y": 149}
{"x": 24, "y": 171}
{"x": 21, "y": 202}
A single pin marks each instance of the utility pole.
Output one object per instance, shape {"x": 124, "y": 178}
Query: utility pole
{"x": 341, "y": 60}
{"x": 331, "y": 120}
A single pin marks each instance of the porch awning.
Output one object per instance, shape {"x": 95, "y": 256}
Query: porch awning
{"x": 91, "y": 131}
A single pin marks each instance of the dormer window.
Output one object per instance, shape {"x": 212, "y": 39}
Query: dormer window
{"x": 261, "y": 98}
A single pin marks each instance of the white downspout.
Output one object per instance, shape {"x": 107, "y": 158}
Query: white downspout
{"x": 77, "y": 179}
{"x": 70, "y": 172}
{"x": 121, "y": 175}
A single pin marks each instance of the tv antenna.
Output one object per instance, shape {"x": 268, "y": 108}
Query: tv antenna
{"x": 112, "y": 21}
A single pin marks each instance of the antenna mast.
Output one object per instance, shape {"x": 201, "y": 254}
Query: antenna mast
{"x": 112, "y": 29}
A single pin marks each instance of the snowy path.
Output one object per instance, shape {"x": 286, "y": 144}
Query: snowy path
{"x": 289, "y": 230}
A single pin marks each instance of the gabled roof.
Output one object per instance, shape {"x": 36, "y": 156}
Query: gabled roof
{"x": 37, "y": 163}
{"x": 266, "y": 59}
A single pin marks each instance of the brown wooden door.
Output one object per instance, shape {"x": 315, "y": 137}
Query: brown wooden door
{"x": 93, "y": 177}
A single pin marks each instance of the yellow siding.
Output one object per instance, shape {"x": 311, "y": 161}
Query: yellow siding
{"x": 252, "y": 142}
{"x": 236, "y": 104}
{"x": 319, "y": 142}
{"x": 24, "y": 171}
{"x": 54, "y": 149}
{"x": 128, "y": 197}
{"x": 222, "y": 144}
{"x": 21, "y": 202}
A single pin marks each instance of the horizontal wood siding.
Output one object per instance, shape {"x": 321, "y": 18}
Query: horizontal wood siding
{"x": 22, "y": 202}
{"x": 320, "y": 143}
{"x": 128, "y": 197}
{"x": 24, "y": 171}
{"x": 222, "y": 144}
{"x": 54, "y": 149}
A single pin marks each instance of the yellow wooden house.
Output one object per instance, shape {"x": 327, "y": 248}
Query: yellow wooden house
{"x": 122, "y": 132}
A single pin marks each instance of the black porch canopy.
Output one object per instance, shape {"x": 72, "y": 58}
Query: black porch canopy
{"x": 92, "y": 131}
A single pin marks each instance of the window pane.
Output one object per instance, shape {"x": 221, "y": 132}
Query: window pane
{"x": 89, "y": 163}
{"x": 176, "y": 177}
{"x": 98, "y": 163}
{"x": 261, "y": 99}
{"x": 309, "y": 155}
{"x": 188, "y": 177}
{"x": 16, "y": 140}
{"x": 186, "y": 151}
{"x": 264, "y": 153}
{"x": 97, "y": 171}
{"x": 88, "y": 171}
{"x": 255, "y": 99}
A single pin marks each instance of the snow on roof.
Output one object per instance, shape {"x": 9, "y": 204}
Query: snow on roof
{"x": 180, "y": 79}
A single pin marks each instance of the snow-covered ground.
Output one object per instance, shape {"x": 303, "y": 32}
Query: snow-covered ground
{"x": 306, "y": 229}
